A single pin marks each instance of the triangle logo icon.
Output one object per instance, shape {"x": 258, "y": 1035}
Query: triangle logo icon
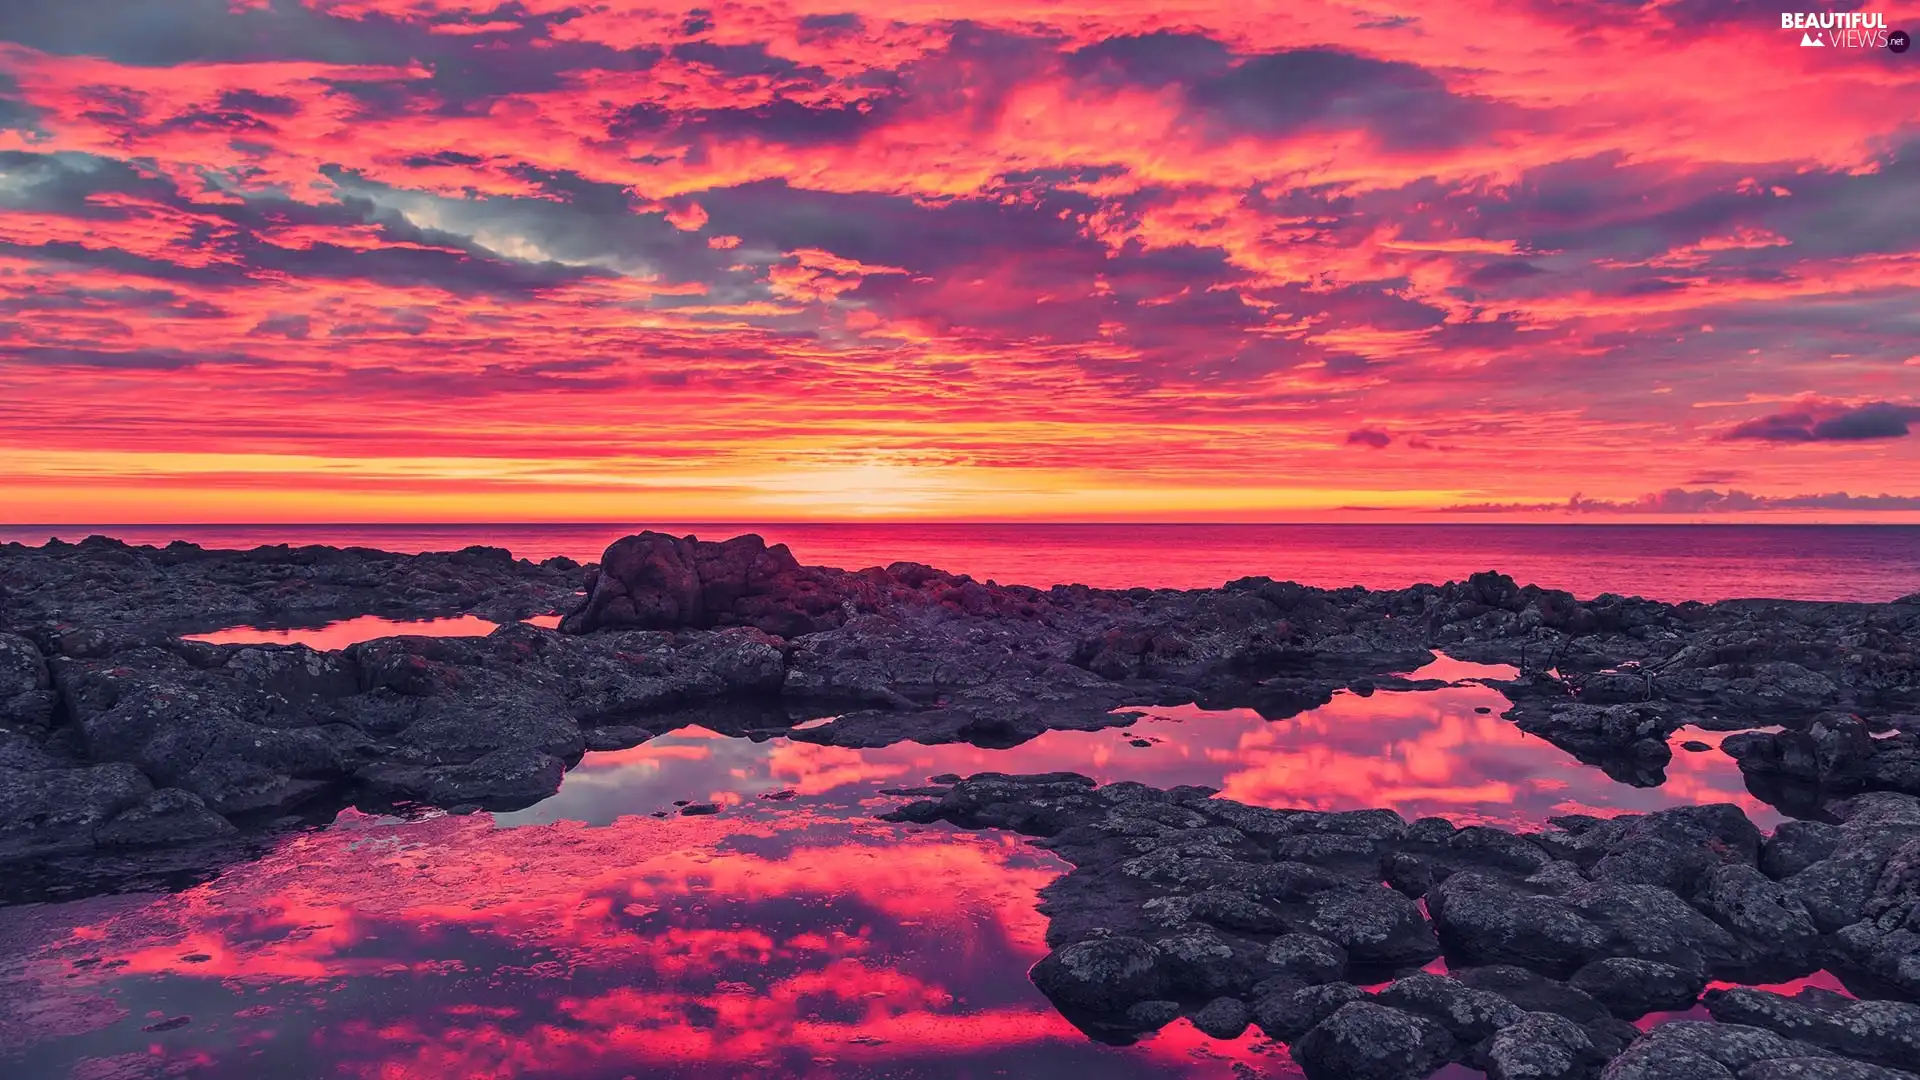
{"x": 1809, "y": 41}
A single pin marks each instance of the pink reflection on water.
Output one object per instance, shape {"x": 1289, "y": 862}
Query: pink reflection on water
{"x": 345, "y": 632}
{"x": 807, "y": 946}
{"x": 339, "y": 635}
{"x": 1419, "y": 752}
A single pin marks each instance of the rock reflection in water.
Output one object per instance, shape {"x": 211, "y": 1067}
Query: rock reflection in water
{"x": 805, "y": 945}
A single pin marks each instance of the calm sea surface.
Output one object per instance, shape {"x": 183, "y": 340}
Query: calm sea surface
{"x": 1665, "y": 562}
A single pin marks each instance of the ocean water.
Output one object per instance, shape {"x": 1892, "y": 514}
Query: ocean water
{"x": 1663, "y": 562}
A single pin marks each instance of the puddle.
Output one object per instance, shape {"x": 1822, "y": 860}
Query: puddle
{"x": 810, "y": 947}
{"x": 1426, "y": 752}
{"x": 345, "y": 632}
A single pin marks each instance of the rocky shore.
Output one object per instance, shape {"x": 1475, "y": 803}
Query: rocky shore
{"x": 118, "y": 738}
{"x": 1317, "y": 927}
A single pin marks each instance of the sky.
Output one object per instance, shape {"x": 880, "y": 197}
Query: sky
{"x": 404, "y": 260}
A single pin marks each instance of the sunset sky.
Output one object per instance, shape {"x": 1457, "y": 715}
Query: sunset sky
{"x": 364, "y": 260}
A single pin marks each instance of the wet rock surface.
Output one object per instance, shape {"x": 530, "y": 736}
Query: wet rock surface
{"x": 1181, "y": 896}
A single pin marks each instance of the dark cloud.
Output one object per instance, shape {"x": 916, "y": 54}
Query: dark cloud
{"x": 1157, "y": 59}
{"x": 1369, "y": 437}
{"x": 1405, "y": 105}
{"x": 1875, "y": 420}
{"x": 295, "y": 327}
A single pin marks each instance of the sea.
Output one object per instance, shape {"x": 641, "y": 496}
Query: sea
{"x": 1662, "y": 562}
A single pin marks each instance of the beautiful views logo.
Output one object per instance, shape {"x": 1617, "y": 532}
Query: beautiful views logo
{"x": 1838, "y": 29}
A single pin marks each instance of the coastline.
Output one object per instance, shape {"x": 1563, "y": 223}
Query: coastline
{"x": 121, "y": 739}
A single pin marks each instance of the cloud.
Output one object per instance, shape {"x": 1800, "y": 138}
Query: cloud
{"x": 1699, "y": 501}
{"x": 1369, "y": 437}
{"x": 1830, "y": 423}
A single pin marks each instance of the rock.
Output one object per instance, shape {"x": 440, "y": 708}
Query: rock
{"x": 1481, "y": 920}
{"x": 168, "y": 816}
{"x": 1534, "y": 992}
{"x": 506, "y": 779}
{"x": 1692, "y": 1050}
{"x": 1884, "y": 1032}
{"x": 1744, "y": 900}
{"x": 1286, "y": 1015}
{"x": 1152, "y": 1015}
{"x": 1365, "y": 1041}
{"x": 1541, "y": 1046}
{"x": 1819, "y": 1069}
{"x": 1469, "y": 1014}
{"x": 54, "y": 811}
{"x": 1375, "y": 925}
{"x": 1306, "y": 958}
{"x": 26, "y": 690}
{"x": 1104, "y": 975}
{"x": 1631, "y": 988}
{"x": 1223, "y": 1018}
{"x": 1796, "y": 845}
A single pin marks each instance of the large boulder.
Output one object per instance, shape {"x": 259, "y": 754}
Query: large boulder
{"x": 654, "y": 581}
{"x": 1104, "y": 975}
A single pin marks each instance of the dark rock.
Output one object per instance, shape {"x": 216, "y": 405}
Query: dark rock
{"x": 168, "y": 816}
{"x": 1469, "y": 1014}
{"x": 1541, "y": 1046}
{"x": 26, "y": 690}
{"x": 1631, "y": 988}
{"x": 1796, "y": 845}
{"x": 1375, "y": 925}
{"x": 1152, "y": 1015}
{"x": 502, "y": 780}
{"x": 1104, "y": 975}
{"x": 1691, "y": 1050}
{"x": 1534, "y": 992}
{"x": 1744, "y": 900}
{"x": 1307, "y": 958}
{"x": 1365, "y": 1041}
{"x": 57, "y": 810}
{"x": 1223, "y": 1018}
{"x": 1288, "y": 1014}
{"x": 1884, "y": 1032}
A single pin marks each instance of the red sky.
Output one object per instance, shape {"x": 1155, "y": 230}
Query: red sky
{"x": 367, "y": 260}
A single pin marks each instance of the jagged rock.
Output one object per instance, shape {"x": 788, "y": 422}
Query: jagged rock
{"x": 1365, "y": 1041}
{"x": 1752, "y": 905}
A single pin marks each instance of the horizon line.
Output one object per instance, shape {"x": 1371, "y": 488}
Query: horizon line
{"x": 921, "y": 522}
